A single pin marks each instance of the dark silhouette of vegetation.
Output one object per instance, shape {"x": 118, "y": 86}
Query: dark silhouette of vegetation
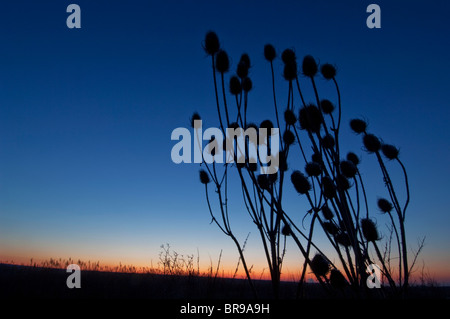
{"x": 326, "y": 179}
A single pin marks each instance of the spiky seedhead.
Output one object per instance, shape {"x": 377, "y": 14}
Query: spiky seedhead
{"x": 327, "y": 212}
{"x": 309, "y": 66}
{"x": 290, "y": 71}
{"x": 330, "y": 228}
{"x": 343, "y": 239}
{"x": 204, "y": 177}
{"x": 235, "y": 85}
{"x": 247, "y": 84}
{"x": 222, "y": 62}
{"x": 242, "y": 69}
{"x": 286, "y": 230}
{"x": 371, "y": 143}
{"x": 300, "y": 182}
{"x": 211, "y": 44}
{"x": 288, "y": 137}
{"x": 313, "y": 169}
{"x": 328, "y": 187}
{"x": 310, "y": 118}
{"x": 320, "y": 265}
{"x": 384, "y": 205}
{"x": 390, "y": 151}
{"x": 352, "y": 157}
{"x": 358, "y": 126}
{"x": 289, "y": 117}
{"x": 326, "y": 106}
{"x": 288, "y": 56}
{"x": 269, "y": 52}
{"x": 263, "y": 182}
{"x": 369, "y": 229}
{"x": 348, "y": 168}
{"x": 328, "y": 141}
{"x": 328, "y": 71}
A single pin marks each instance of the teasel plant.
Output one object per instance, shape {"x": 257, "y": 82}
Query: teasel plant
{"x": 328, "y": 181}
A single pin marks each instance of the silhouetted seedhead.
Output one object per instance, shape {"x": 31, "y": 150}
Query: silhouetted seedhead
{"x": 195, "y": 117}
{"x": 282, "y": 161}
{"x": 235, "y": 85}
{"x": 310, "y": 118}
{"x": 352, "y": 157}
{"x": 390, "y": 151}
{"x": 263, "y": 182}
{"x": 290, "y": 71}
{"x": 290, "y": 117}
{"x": 330, "y": 228}
{"x": 313, "y": 169}
{"x": 384, "y": 205}
{"x": 328, "y": 141}
{"x": 269, "y": 52}
{"x": 288, "y": 56}
{"x": 288, "y": 137}
{"x": 317, "y": 158}
{"x": 234, "y": 125}
{"x": 300, "y": 182}
{"x": 320, "y": 265}
{"x": 328, "y": 187}
{"x": 369, "y": 229}
{"x": 328, "y": 71}
{"x": 204, "y": 177}
{"x": 371, "y": 143}
{"x": 337, "y": 279}
{"x": 309, "y": 66}
{"x": 245, "y": 60}
{"x": 327, "y": 212}
{"x": 272, "y": 178}
{"x": 343, "y": 239}
{"x": 343, "y": 182}
{"x": 286, "y": 230}
{"x": 222, "y": 62}
{"x": 326, "y": 106}
{"x": 211, "y": 44}
{"x": 242, "y": 69}
{"x": 247, "y": 84}
{"x": 358, "y": 126}
{"x": 348, "y": 168}
{"x": 267, "y": 124}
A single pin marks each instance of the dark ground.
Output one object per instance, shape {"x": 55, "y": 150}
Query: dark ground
{"x": 35, "y": 282}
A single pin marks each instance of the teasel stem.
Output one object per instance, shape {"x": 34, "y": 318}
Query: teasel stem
{"x": 225, "y": 99}
{"x": 274, "y": 94}
{"x": 386, "y": 271}
{"x": 216, "y": 94}
{"x": 407, "y": 188}
{"x": 339, "y": 103}
{"x": 300, "y": 91}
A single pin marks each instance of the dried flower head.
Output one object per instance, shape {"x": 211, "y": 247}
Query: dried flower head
{"x": 222, "y": 62}
{"x": 247, "y": 84}
{"x": 343, "y": 182}
{"x": 286, "y": 230}
{"x": 330, "y": 228}
{"x": 310, "y": 118}
{"x": 358, "y": 126}
{"x": 328, "y": 141}
{"x": 320, "y": 265}
{"x": 309, "y": 66}
{"x": 288, "y": 137}
{"x": 326, "y": 106}
{"x": 369, "y": 229}
{"x": 290, "y": 117}
{"x": 328, "y": 187}
{"x": 263, "y": 181}
{"x": 390, "y": 151}
{"x": 384, "y": 205}
{"x": 313, "y": 169}
{"x": 204, "y": 177}
{"x": 242, "y": 69}
{"x": 290, "y": 71}
{"x": 288, "y": 56}
{"x": 245, "y": 59}
{"x": 371, "y": 143}
{"x": 195, "y": 117}
{"x": 282, "y": 161}
{"x": 235, "y": 85}
{"x": 328, "y": 71}
{"x": 352, "y": 157}
{"x": 343, "y": 239}
{"x": 269, "y": 52}
{"x": 327, "y": 212}
{"x": 211, "y": 44}
{"x": 300, "y": 182}
{"x": 348, "y": 168}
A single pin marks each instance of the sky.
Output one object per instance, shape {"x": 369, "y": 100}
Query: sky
{"x": 86, "y": 117}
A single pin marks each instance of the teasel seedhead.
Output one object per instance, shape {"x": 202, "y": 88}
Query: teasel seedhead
{"x": 268, "y": 125}
{"x": 300, "y": 182}
{"x": 313, "y": 169}
{"x": 328, "y": 71}
{"x": 337, "y": 279}
{"x": 204, "y": 177}
{"x": 384, "y": 205}
{"x": 326, "y": 106}
{"x": 247, "y": 84}
{"x": 286, "y": 230}
{"x": 310, "y": 118}
{"x": 327, "y": 212}
{"x": 288, "y": 56}
{"x": 317, "y": 158}
{"x": 320, "y": 265}
{"x": 222, "y": 62}
{"x": 211, "y": 44}
{"x": 235, "y": 85}
{"x": 343, "y": 182}
{"x": 358, "y": 126}
{"x": 290, "y": 117}
{"x": 330, "y": 228}
{"x": 348, "y": 168}
{"x": 369, "y": 229}
{"x": 309, "y": 66}
{"x": 390, "y": 151}
{"x": 371, "y": 143}
{"x": 343, "y": 239}
{"x": 352, "y": 157}
{"x": 290, "y": 71}
{"x": 328, "y": 187}
{"x": 328, "y": 141}
{"x": 269, "y": 52}
{"x": 242, "y": 69}
{"x": 288, "y": 137}
{"x": 282, "y": 161}
{"x": 263, "y": 181}
{"x": 195, "y": 117}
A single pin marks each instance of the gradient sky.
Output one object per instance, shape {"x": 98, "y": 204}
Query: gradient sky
{"x": 86, "y": 117}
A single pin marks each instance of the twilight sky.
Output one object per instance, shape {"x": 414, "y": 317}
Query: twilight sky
{"x": 86, "y": 117}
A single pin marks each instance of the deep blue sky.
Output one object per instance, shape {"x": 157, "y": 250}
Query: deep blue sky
{"x": 86, "y": 116}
